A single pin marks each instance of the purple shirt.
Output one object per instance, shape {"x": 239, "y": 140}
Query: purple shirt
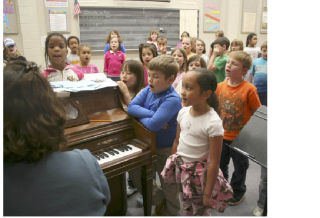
{"x": 89, "y": 69}
{"x": 113, "y": 62}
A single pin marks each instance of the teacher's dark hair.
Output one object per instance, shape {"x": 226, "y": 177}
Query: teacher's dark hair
{"x": 33, "y": 115}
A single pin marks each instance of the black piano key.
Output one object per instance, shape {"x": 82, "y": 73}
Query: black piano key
{"x": 104, "y": 154}
{"x": 115, "y": 151}
{"x": 110, "y": 152}
{"x": 120, "y": 148}
{"x": 98, "y": 158}
{"x": 128, "y": 147}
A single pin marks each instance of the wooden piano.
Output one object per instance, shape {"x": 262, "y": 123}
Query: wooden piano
{"x": 107, "y": 140}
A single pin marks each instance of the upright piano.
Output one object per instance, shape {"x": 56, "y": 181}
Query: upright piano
{"x": 97, "y": 121}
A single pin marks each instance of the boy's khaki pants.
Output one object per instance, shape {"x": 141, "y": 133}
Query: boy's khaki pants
{"x": 169, "y": 193}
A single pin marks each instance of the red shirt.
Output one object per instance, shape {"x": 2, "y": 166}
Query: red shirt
{"x": 113, "y": 62}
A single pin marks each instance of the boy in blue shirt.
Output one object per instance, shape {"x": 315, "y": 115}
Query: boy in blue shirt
{"x": 157, "y": 107}
{"x": 259, "y": 73}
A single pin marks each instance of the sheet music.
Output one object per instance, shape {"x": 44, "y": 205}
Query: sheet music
{"x": 82, "y": 85}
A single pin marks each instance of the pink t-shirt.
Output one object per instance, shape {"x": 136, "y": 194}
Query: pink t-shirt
{"x": 68, "y": 73}
{"x": 89, "y": 69}
{"x": 178, "y": 79}
{"x": 113, "y": 62}
{"x": 145, "y": 75}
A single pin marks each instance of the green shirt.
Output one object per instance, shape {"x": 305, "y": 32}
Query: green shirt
{"x": 220, "y": 63}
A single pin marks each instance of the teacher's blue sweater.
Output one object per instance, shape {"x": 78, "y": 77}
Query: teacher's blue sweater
{"x": 154, "y": 110}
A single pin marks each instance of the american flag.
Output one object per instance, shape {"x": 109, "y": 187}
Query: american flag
{"x": 76, "y": 7}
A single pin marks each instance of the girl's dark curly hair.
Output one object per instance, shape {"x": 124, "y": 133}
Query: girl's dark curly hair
{"x": 33, "y": 115}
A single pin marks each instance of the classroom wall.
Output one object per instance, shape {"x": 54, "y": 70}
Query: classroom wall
{"x": 33, "y": 23}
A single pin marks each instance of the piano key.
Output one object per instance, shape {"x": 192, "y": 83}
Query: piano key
{"x": 119, "y": 155}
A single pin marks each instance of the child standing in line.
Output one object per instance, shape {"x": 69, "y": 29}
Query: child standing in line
{"x": 153, "y": 38}
{"x": 56, "y": 52}
{"x": 157, "y": 107}
{"x": 236, "y": 45}
{"x": 183, "y": 34}
{"x": 73, "y": 43}
{"x": 131, "y": 80}
{"x": 218, "y": 34}
{"x": 219, "y": 58}
{"x": 113, "y": 60}
{"x": 201, "y": 50}
{"x": 114, "y": 33}
{"x": 194, "y": 62}
{"x": 13, "y": 53}
{"x": 180, "y": 56}
{"x": 259, "y": 72}
{"x": 238, "y": 101}
{"x": 146, "y": 53}
{"x": 84, "y": 53}
{"x": 195, "y": 159}
{"x": 162, "y": 44}
{"x": 252, "y": 50}
{"x": 187, "y": 45}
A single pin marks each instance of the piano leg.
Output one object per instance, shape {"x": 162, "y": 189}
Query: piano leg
{"x": 118, "y": 202}
{"x": 146, "y": 180}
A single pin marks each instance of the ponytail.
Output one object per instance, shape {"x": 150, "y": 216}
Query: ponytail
{"x": 207, "y": 81}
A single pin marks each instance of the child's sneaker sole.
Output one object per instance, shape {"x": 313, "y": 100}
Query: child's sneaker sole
{"x": 235, "y": 201}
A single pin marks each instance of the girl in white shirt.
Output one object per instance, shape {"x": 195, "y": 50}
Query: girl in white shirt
{"x": 194, "y": 163}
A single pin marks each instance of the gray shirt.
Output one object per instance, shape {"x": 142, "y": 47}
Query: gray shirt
{"x": 63, "y": 183}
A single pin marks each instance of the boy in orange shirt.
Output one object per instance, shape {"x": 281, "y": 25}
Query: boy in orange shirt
{"x": 238, "y": 100}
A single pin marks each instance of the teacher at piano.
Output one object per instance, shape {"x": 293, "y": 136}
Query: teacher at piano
{"x": 38, "y": 178}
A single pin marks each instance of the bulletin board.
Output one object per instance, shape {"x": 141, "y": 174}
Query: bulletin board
{"x": 9, "y": 17}
{"x": 211, "y": 15}
{"x": 249, "y": 15}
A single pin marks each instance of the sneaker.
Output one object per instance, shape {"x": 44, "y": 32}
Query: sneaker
{"x": 131, "y": 191}
{"x": 236, "y": 200}
{"x": 257, "y": 211}
{"x": 139, "y": 201}
{"x": 158, "y": 209}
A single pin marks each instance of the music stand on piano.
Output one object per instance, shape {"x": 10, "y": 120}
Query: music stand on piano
{"x": 252, "y": 140}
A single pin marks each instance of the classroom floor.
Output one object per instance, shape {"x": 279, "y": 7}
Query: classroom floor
{"x": 245, "y": 208}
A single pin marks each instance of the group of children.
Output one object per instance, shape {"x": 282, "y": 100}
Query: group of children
{"x": 195, "y": 105}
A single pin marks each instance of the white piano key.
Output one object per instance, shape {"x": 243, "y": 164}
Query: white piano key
{"x": 116, "y": 157}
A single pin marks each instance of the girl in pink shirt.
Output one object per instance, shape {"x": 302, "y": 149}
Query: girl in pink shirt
{"x": 113, "y": 60}
{"x": 180, "y": 56}
{"x": 146, "y": 53}
{"x": 56, "y": 52}
{"x": 84, "y": 53}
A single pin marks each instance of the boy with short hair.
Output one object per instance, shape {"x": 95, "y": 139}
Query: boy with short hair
{"x": 238, "y": 100}
{"x": 218, "y": 60}
{"x": 162, "y": 44}
{"x": 73, "y": 44}
{"x": 259, "y": 74}
{"x": 157, "y": 107}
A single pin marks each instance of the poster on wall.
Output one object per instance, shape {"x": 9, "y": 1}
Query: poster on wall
{"x": 9, "y": 17}
{"x": 211, "y": 15}
{"x": 58, "y": 20}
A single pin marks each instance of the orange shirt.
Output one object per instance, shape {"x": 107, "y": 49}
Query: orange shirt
{"x": 236, "y": 105}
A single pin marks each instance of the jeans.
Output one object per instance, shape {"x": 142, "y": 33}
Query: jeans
{"x": 262, "y": 188}
{"x": 263, "y": 96}
{"x": 241, "y": 164}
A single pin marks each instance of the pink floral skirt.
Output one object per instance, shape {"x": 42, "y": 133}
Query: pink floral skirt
{"x": 191, "y": 178}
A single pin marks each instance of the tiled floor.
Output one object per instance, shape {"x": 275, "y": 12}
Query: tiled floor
{"x": 243, "y": 209}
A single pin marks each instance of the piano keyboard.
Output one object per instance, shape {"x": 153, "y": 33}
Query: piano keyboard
{"x": 116, "y": 154}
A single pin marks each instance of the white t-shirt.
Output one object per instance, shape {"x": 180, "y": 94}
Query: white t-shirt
{"x": 195, "y": 133}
